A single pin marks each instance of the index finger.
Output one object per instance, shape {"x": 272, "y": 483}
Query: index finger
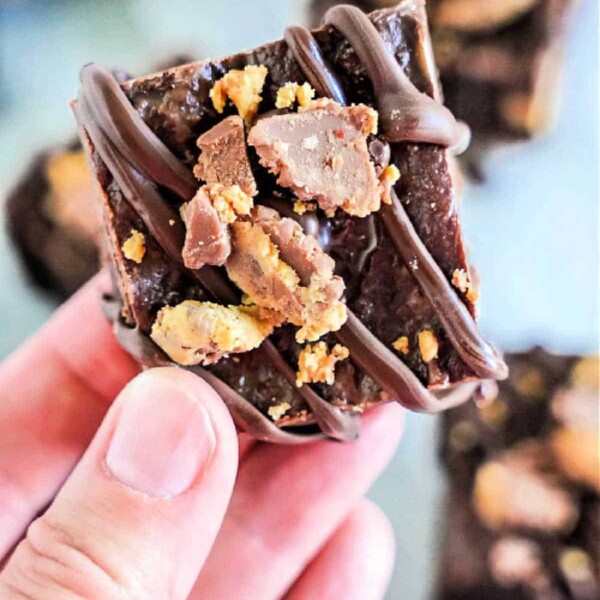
{"x": 54, "y": 392}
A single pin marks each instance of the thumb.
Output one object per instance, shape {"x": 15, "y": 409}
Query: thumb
{"x": 138, "y": 516}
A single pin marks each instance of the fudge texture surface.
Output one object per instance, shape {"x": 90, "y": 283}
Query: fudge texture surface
{"x": 319, "y": 269}
{"x": 523, "y": 502}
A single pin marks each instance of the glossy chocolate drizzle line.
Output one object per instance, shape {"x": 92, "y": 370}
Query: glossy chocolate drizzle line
{"x": 475, "y": 351}
{"x": 99, "y": 110}
{"x": 405, "y": 113}
{"x": 308, "y": 55}
{"x": 461, "y": 328}
{"x": 391, "y": 373}
{"x": 246, "y": 416}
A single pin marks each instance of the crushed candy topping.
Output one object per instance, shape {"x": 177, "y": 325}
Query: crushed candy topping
{"x": 389, "y": 176}
{"x": 292, "y": 92}
{"x": 278, "y": 410}
{"x": 462, "y": 281}
{"x": 243, "y": 88}
{"x": 402, "y": 345}
{"x": 428, "y": 345}
{"x": 281, "y": 268}
{"x": 322, "y": 154}
{"x": 134, "y": 247}
{"x": 230, "y": 202}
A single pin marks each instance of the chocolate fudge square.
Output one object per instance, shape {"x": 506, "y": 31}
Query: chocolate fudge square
{"x": 523, "y": 503}
{"x": 284, "y": 223}
{"x": 500, "y": 62}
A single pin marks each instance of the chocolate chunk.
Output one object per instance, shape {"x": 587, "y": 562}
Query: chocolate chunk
{"x": 520, "y": 524}
{"x": 281, "y": 268}
{"x": 207, "y": 237}
{"x": 321, "y": 153}
{"x": 224, "y": 156}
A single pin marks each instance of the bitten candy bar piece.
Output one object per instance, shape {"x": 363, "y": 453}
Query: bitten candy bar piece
{"x": 523, "y": 510}
{"x": 340, "y": 274}
{"x": 224, "y": 156}
{"x": 321, "y": 153}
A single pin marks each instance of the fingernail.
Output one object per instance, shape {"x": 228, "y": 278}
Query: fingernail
{"x": 163, "y": 438}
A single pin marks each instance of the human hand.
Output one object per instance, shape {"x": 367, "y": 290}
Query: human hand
{"x": 155, "y": 496}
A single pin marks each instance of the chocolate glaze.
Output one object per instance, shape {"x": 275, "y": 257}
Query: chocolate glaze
{"x": 462, "y": 330}
{"x": 99, "y": 110}
{"x": 405, "y": 113}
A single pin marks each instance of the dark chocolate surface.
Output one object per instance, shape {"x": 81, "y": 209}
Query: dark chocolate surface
{"x": 523, "y": 413}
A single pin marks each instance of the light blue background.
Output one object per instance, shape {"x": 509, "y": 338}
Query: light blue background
{"x": 533, "y": 226}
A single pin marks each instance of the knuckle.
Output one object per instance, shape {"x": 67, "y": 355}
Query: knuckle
{"x": 51, "y": 562}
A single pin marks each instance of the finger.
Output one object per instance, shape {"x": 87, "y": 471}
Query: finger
{"x": 287, "y": 503}
{"x": 138, "y": 516}
{"x": 355, "y": 564}
{"x": 54, "y": 392}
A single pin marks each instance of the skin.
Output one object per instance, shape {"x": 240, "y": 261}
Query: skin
{"x": 204, "y": 517}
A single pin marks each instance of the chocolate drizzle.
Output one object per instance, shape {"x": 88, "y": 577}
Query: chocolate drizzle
{"x": 405, "y": 113}
{"x": 392, "y": 374}
{"x": 131, "y": 137}
{"x": 100, "y": 112}
{"x": 460, "y": 327}
{"x": 308, "y": 55}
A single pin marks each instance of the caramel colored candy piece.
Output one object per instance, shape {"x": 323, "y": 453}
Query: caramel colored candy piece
{"x": 224, "y": 156}
{"x": 194, "y": 333}
{"x": 321, "y": 153}
{"x": 281, "y": 268}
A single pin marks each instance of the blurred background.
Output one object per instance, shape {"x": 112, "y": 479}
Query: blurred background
{"x": 532, "y": 225}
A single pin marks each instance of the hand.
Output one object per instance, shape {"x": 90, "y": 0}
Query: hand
{"x": 157, "y": 497}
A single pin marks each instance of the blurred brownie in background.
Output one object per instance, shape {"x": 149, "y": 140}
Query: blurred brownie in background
{"x": 52, "y": 217}
{"x": 52, "y": 220}
{"x": 500, "y": 61}
{"x": 523, "y": 504}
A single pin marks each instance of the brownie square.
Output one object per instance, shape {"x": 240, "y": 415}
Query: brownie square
{"x": 523, "y": 502}
{"x": 52, "y": 218}
{"x": 369, "y": 265}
